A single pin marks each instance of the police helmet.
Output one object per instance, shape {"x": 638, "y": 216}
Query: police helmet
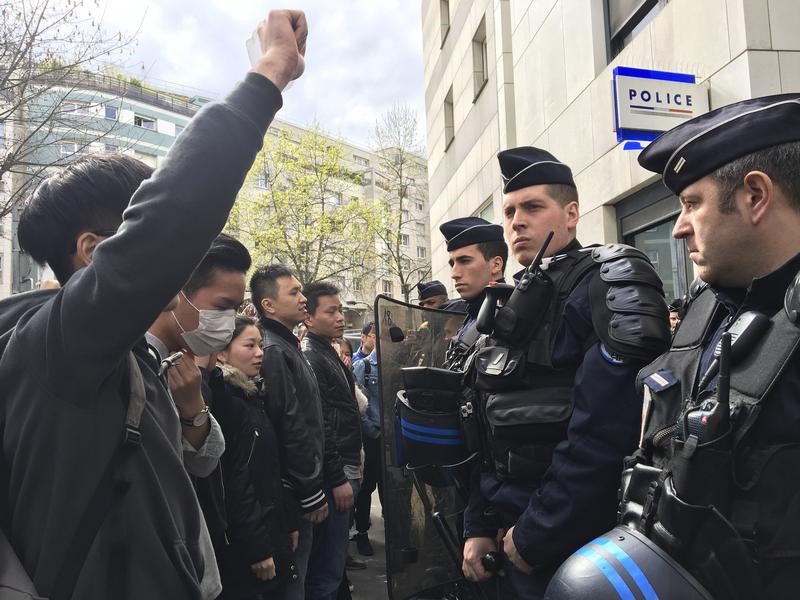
{"x": 623, "y": 564}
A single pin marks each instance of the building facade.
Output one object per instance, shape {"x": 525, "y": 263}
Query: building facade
{"x": 84, "y": 114}
{"x": 504, "y": 73}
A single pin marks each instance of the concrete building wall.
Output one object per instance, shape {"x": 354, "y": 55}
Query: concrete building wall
{"x": 551, "y": 86}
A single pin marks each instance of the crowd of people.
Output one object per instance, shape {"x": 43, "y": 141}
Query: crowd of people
{"x": 159, "y": 443}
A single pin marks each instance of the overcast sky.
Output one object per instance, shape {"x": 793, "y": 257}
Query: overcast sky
{"x": 363, "y": 55}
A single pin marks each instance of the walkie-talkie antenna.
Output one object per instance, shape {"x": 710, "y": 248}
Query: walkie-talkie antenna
{"x": 538, "y": 260}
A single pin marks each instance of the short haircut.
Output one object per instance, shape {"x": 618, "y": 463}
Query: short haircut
{"x": 225, "y": 254}
{"x": 88, "y": 195}
{"x": 264, "y": 283}
{"x": 491, "y": 249}
{"x": 314, "y": 291}
{"x": 242, "y": 323}
{"x": 368, "y": 328}
{"x": 779, "y": 162}
{"x": 562, "y": 193}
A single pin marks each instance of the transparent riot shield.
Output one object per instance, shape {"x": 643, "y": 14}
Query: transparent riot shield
{"x": 423, "y": 507}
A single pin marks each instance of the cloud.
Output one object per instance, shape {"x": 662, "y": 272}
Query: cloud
{"x": 363, "y": 56}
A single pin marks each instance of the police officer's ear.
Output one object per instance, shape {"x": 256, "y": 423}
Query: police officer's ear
{"x": 573, "y": 213}
{"x": 497, "y": 266}
{"x": 760, "y": 194}
{"x": 85, "y": 246}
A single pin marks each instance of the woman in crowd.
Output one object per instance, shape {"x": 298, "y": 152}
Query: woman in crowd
{"x": 256, "y": 556}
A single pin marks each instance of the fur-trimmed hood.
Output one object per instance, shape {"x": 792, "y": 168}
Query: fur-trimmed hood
{"x": 237, "y": 378}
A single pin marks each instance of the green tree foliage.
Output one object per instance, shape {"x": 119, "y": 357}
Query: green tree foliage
{"x": 300, "y": 205}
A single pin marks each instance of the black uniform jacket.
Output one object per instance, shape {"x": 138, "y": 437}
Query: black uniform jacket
{"x": 63, "y": 375}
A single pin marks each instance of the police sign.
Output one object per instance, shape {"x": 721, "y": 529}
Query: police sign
{"x": 650, "y": 102}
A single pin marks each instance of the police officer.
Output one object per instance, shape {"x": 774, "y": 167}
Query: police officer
{"x": 715, "y": 481}
{"x": 564, "y": 412}
{"x": 433, "y": 294}
{"x": 477, "y": 255}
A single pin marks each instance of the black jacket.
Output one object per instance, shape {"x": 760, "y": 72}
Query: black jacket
{"x": 339, "y": 408}
{"x": 63, "y": 374}
{"x": 257, "y": 524}
{"x": 295, "y": 410}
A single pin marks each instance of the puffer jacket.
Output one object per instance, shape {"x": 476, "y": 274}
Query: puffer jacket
{"x": 339, "y": 408}
{"x": 257, "y": 523}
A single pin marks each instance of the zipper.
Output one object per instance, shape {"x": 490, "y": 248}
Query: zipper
{"x": 256, "y": 435}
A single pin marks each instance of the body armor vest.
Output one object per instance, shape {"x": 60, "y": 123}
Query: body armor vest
{"x": 524, "y": 401}
{"x": 697, "y": 496}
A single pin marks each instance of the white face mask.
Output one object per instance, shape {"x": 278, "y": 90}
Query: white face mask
{"x": 214, "y": 330}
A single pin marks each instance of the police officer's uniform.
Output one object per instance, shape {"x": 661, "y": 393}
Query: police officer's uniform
{"x": 720, "y": 494}
{"x": 562, "y": 411}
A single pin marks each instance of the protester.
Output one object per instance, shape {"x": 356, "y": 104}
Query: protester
{"x": 90, "y": 518}
{"x": 342, "y": 463}
{"x": 256, "y": 554}
{"x": 293, "y": 405}
{"x": 365, "y": 372}
{"x": 367, "y": 342}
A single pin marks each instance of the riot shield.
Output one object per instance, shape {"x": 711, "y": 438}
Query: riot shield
{"x": 423, "y": 507}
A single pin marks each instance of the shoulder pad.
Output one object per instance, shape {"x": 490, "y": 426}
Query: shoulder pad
{"x": 791, "y": 301}
{"x": 609, "y": 252}
{"x": 629, "y": 313}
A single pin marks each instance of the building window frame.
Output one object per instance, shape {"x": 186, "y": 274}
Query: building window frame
{"x": 110, "y": 112}
{"x": 144, "y": 122}
{"x": 444, "y": 18}
{"x": 624, "y": 19}
{"x": 480, "y": 59}
{"x": 422, "y": 252}
{"x": 449, "y": 119}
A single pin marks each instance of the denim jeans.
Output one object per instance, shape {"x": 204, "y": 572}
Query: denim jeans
{"x": 329, "y": 551}
{"x": 295, "y": 590}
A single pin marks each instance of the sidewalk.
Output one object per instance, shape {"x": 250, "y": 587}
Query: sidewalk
{"x": 370, "y": 583}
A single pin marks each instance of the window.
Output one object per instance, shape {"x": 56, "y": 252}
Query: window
{"x": 388, "y": 287}
{"x": 421, "y": 228}
{"x": 111, "y": 112}
{"x": 144, "y": 122}
{"x": 334, "y": 198}
{"x": 404, "y": 239}
{"x": 2, "y": 133}
{"x": 360, "y": 160}
{"x": 626, "y": 19}
{"x": 261, "y": 180}
{"x": 178, "y": 129}
{"x": 480, "y": 59}
{"x": 449, "y": 124}
{"x": 486, "y": 210}
{"x": 111, "y": 148}
{"x": 444, "y": 14}
{"x": 419, "y": 205}
{"x": 405, "y": 216}
{"x": 72, "y": 149}
{"x": 76, "y": 108}
{"x": 358, "y": 285}
{"x": 422, "y": 252}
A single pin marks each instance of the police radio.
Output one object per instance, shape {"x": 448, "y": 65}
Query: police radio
{"x": 518, "y": 319}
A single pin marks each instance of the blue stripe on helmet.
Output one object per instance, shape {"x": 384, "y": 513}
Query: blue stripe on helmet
{"x": 608, "y": 570}
{"x": 630, "y": 566}
{"x": 432, "y": 430}
{"x": 430, "y": 440}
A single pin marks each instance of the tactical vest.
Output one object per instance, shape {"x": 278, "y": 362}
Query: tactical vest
{"x": 698, "y": 497}
{"x": 524, "y": 402}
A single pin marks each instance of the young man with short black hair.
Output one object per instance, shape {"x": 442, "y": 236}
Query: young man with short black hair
{"x": 293, "y": 403}
{"x": 63, "y": 421}
{"x": 367, "y": 342}
{"x": 342, "y": 462}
